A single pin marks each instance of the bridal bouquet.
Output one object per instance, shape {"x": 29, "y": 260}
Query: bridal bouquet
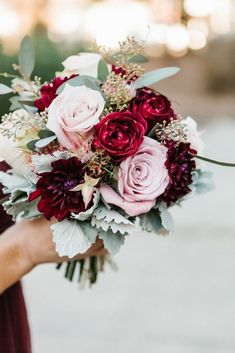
{"x": 97, "y": 149}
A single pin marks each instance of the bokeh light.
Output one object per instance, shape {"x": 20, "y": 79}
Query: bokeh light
{"x": 199, "y": 8}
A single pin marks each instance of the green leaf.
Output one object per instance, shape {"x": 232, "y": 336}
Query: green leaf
{"x": 45, "y": 133}
{"x": 152, "y": 77}
{"x": 5, "y": 89}
{"x": 103, "y": 70}
{"x": 26, "y": 57}
{"x": 32, "y": 145}
{"x": 45, "y": 142}
{"x": 84, "y": 80}
{"x": 112, "y": 242}
{"x": 138, "y": 59}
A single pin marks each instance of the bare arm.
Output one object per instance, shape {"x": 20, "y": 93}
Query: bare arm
{"x": 26, "y": 245}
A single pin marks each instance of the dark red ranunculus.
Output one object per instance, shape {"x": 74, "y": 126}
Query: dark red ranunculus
{"x": 154, "y": 107}
{"x": 120, "y": 134}
{"x": 48, "y": 92}
{"x": 180, "y": 165}
{"x": 54, "y": 189}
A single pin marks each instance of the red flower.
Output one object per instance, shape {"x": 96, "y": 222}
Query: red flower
{"x": 154, "y": 108}
{"x": 48, "y": 92}
{"x": 180, "y": 165}
{"x": 121, "y": 71}
{"x": 120, "y": 134}
{"x": 54, "y": 189}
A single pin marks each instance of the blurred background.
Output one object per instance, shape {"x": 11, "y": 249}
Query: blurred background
{"x": 174, "y": 294}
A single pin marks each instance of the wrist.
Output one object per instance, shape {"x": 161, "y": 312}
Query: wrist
{"x": 23, "y": 232}
{"x": 14, "y": 261}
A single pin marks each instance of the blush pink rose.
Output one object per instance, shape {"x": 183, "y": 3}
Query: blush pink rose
{"x": 141, "y": 179}
{"x": 73, "y": 113}
{"x": 82, "y": 64}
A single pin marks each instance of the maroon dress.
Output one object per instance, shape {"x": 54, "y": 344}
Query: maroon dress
{"x": 14, "y": 328}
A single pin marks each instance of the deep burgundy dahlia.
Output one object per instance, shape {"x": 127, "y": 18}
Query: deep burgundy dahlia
{"x": 180, "y": 164}
{"x": 54, "y": 189}
{"x": 48, "y": 92}
{"x": 154, "y": 107}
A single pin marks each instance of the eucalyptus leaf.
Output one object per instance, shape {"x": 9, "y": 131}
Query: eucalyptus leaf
{"x": 5, "y": 89}
{"x": 103, "y": 70}
{"x": 45, "y": 133}
{"x": 31, "y": 145}
{"x": 82, "y": 80}
{"x": 45, "y": 141}
{"x": 152, "y": 77}
{"x": 138, "y": 59}
{"x": 26, "y": 57}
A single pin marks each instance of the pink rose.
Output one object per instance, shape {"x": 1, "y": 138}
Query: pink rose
{"x": 73, "y": 113}
{"x": 82, "y": 64}
{"x": 142, "y": 178}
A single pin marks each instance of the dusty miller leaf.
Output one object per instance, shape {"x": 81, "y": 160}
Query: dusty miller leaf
{"x": 112, "y": 242}
{"x": 111, "y": 220}
{"x": 82, "y": 216}
{"x": 72, "y": 237}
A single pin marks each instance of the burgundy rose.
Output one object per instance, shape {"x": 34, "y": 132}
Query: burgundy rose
{"x": 48, "y": 92}
{"x": 54, "y": 188}
{"x": 154, "y": 107}
{"x": 120, "y": 134}
{"x": 180, "y": 165}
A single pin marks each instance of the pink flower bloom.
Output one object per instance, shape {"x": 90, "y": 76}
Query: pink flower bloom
{"x": 131, "y": 208}
{"x": 73, "y": 113}
{"x": 82, "y": 64}
{"x": 142, "y": 178}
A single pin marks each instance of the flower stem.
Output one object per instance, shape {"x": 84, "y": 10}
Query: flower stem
{"x": 224, "y": 164}
{"x": 5, "y": 74}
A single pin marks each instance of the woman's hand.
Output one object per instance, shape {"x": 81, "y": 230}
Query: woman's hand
{"x": 38, "y": 246}
{"x": 28, "y": 244}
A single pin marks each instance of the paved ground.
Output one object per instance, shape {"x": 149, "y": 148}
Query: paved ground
{"x": 171, "y": 295}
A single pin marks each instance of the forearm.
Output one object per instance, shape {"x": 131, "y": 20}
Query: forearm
{"x": 13, "y": 262}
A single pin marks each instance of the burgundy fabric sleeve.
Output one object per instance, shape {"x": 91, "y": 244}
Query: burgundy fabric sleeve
{"x": 14, "y": 328}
